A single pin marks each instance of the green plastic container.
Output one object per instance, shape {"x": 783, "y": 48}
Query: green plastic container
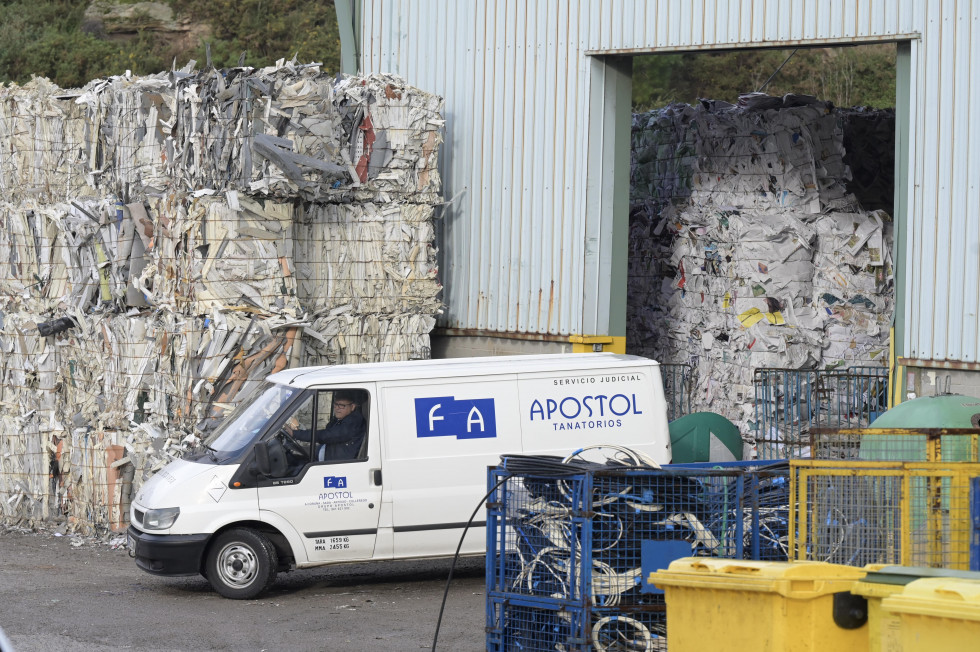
{"x": 704, "y": 437}
{"x": 943, "y": 411}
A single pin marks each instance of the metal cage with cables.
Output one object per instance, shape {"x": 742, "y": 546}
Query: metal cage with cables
{"x": 567, "y": 554}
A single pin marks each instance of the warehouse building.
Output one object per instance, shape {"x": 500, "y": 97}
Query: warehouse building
{"x": 534, "y": 237}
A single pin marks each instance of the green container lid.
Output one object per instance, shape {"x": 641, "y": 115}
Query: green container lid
{"x": 704, "y": 437}
{"x": 943, "y": 411}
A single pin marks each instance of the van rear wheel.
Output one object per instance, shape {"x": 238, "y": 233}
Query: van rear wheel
{"x": 241, "y": 564}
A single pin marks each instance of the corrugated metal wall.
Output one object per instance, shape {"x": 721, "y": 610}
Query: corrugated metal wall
{"x": 944, "y": 227}
{"x": 516, "y": 89}
{"x": 516, "y": 78}
{"x": 666, "y": 24}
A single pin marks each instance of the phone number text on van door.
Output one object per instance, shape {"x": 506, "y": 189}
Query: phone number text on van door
{"x": 335, "y": 501}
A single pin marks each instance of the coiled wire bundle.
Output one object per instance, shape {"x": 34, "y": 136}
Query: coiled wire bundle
{"x": 576, "y": 530}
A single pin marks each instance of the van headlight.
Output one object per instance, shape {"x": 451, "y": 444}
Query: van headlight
{"x": 160, "y": 519}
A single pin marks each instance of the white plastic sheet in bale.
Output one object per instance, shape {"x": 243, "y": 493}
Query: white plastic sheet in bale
{"x": 391, "y": 133}
{"x": 285, "y": 131}
{"x": 341, "y": 337}
{"x": 64, "y": 256}
{"x": 235, "y": 252}
{"x": 373, "y": 258}
{"x": 29, "y": 426}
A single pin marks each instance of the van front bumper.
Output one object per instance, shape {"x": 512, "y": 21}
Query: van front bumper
{"x": 167, "y": 554}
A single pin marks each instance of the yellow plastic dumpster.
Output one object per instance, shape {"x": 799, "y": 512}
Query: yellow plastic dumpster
{"x": 936, "y": 613}
{"x": 883, "y": 581}
{"x": 733, "y": 604}
{"x": 882, "y": 625}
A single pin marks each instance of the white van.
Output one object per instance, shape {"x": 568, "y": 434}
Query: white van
{"x": 287, "y": 481}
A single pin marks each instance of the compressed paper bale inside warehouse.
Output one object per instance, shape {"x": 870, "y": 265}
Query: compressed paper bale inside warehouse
{"x": 759, "y": 241}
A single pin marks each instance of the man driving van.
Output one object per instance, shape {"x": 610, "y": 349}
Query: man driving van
{"x": 343, "y": 435}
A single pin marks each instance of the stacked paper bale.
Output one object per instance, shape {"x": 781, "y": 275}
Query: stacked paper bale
{"x": 853, "y": 283}
{"x": 42, "y": 153}
{"x": 367, "y": 273}
{"x": 765, "y": 260}
{"x": 660, "y": 176}
{"x": 188, "y": 234}
{"x": 288, "y": 131}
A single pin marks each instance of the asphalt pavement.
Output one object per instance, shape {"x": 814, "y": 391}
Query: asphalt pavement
{"x": 79, "y": 594}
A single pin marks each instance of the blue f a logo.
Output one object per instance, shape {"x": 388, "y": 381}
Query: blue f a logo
{"x": 444, "y": 416}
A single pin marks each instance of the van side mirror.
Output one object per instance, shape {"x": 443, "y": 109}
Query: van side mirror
{"x": 270, "y": 458}
{"x": 262, "y": 464}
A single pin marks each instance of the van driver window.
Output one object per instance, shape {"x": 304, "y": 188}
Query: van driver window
{"x": 341, "y": 425}
{"x": 294, "y": 435}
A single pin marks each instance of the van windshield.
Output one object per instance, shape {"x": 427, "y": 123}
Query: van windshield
{"x": 249, "y": 419}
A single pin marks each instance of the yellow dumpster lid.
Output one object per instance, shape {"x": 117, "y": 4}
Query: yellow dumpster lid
{"x": 798, "y": 579}
{"x": 940, "y": 597}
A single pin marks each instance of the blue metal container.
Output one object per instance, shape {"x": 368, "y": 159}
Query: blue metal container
{"x": 567, "y": 555}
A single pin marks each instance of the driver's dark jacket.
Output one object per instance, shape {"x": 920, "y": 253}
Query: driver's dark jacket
{"x": 341, "y": 439}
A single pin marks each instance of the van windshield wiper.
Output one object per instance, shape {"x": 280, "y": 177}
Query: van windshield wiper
{"x": 212, "y": 453}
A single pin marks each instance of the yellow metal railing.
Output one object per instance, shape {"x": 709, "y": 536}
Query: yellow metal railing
{"x": 856, "y": 513}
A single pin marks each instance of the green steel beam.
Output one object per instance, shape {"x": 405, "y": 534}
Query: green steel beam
{"x": 607, "y": 196}
{"x": 348, "y": 20}
{"x": 901, "y": 217}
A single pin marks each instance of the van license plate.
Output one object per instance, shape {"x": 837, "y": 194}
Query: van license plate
{"x": 131, "y": 545}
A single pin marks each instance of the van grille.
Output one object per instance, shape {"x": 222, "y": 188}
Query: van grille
{"x": 138, "y": 516}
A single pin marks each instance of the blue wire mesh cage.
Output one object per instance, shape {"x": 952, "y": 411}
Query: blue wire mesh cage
{"x": 515, "y": 625}
{"x": 790, "y": 402}
{"x": 580, "y": 546}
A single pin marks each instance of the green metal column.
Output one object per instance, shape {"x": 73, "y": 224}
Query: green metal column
{"x": 349, "y": 23}
{"x": 903, "y": 134}
{"x": 607, "y": 200}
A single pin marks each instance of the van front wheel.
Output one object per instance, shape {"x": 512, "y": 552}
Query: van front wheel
{"x": 241, "y": 564}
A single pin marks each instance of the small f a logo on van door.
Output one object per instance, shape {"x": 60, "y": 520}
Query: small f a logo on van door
{"x": 444, "y": 416}
{"x": 335, "y": 482}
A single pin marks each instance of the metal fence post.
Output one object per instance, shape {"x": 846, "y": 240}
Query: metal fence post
{"x": 975, "y": 519}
